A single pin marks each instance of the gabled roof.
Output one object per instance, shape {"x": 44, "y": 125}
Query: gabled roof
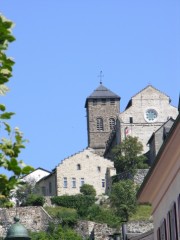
{"x": 102, "y": 92}
{"x": 39, "y": 168}
{"x": 130, "y": 101}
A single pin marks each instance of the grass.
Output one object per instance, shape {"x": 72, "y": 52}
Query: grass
{"x": 143, "y": 213}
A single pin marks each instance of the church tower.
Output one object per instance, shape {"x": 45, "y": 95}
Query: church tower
{"x": 102, "y": 107}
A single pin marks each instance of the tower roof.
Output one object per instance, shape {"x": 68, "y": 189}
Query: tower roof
{"x": 102, "y": 92}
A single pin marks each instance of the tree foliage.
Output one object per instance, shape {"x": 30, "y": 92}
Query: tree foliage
{"x": 88, "y": 190}
{"x": 128, "y": 157}
{"x": 123, "y": 199}
{"x": 12, "y": 141}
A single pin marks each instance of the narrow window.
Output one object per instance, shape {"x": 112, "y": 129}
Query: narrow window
{"x": 78, "y": 166}
{"x": 131, "y": 119}
{"x": 43, "y": 189}
{"x": 99, "y": 169}
{"x": 65, "y": 182}
{"x": 100, "y": 126}
{"x": 173, "y": 222}
{"x": 103, "y": 101}
{"x": 112, "y": 101}
{"x": 73, "y": 182}
{"x": 111, "y": 123}
{"x": 103, "y": 183}
{"x": 163, "y": 233}
{"x": 82, "y": 182}
{"x": 94, "y": 102}
{"x": 50, "y": 187}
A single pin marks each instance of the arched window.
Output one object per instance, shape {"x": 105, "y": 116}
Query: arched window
{"x": 100, "y": 126}
{"x": 111, "y": 123}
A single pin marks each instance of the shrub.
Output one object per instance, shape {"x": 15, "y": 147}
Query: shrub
{"x": 34, "y": 200}
{"x": 79, "y": 202}
{"x": 88, "y": 190}
{"x": 56, "y": 232}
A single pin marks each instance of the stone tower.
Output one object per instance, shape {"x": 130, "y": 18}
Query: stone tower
{"x": 102, "y": 107}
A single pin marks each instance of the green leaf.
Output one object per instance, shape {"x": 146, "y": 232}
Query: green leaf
{"x": 2, "y": 107}
{"x": 7, "y": 127}
{"x": 6, "y": 115}
{"x": 27, "y": 169}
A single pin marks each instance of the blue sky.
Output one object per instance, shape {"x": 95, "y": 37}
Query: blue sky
{"x": 60, "y": 48}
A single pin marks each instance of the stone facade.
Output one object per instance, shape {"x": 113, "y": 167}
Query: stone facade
{"x": 74, "y": 171}
{"x": 104, "y": 105}
{"x": 145, "y": 113}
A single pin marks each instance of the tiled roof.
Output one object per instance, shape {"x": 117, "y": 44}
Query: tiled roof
{"x": 102, "y": 92}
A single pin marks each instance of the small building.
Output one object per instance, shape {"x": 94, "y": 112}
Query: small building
{"x": 36, "y": 175}
{"x": 83, "y": 167}
{"x": 161, "y": 187}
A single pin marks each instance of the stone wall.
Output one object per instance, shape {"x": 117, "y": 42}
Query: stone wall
{"x": 33, "y": 218}
{"x": 97, "y": 231}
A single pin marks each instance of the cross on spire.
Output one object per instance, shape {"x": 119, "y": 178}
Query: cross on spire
{"x": 100, "y": 76}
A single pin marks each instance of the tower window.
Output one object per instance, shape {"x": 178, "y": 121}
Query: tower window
{"x": 111, "y": 123}
{"x": 103, "y": 101}
{"x": 112, "y": 101}
{"x": 94, "y": 102}
{"x": 100, "y": 126}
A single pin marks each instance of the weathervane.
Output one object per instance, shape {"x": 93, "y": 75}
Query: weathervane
{"x": 100, "y": 76}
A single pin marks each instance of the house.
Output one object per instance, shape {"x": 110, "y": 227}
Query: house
{"x": 36, "y": 175}
{"x": 80, "y": 168}
{"x": 161, "y": 187}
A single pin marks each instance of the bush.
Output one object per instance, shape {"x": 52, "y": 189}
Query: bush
{"x": 34, "y": 200}
{"x": 79, "y": 202}
{"x": 88, "y": 190}
{"x": 56, "y": 232}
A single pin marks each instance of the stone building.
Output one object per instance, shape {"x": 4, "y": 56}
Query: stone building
{"x": 146, "y": 111}
{"x": 83, "y": 167}
{"x": 102, "y": 108}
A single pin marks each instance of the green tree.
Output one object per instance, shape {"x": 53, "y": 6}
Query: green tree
{"x": 12, "y": 141}
{"x": 123, "y": 199}
{"x": 128, "y": 157}
{"x": 88, "y": 189}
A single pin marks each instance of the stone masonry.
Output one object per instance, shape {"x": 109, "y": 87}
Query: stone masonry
{"x": 33, "y": 218}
